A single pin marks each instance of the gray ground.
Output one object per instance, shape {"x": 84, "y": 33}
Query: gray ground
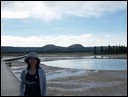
{"x": 98, "y": 83}
{"x": 74, "y": 82}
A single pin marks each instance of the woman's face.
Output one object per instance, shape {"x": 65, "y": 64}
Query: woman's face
{"x": 32, "y": 62}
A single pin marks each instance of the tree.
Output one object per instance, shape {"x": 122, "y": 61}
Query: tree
{"x": 126, "y": 50}
{"x": 106, "y": 51}
{"x": 95, "y": 50}
{"x": 113, "y": 49}
{"x": 117, "y": 49}
{"x": 109, "y": 49}
{"x": 101, "y": 49}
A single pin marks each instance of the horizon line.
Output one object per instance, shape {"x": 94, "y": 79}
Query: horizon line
{"x": 67, "y": 46}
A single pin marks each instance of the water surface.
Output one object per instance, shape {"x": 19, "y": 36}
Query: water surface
{"x": 90, "y": 64}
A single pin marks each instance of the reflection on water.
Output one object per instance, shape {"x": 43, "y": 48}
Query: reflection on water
{"x": 94, "y": 64}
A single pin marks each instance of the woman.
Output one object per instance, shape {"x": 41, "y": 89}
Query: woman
{"x": 33, "y": 79}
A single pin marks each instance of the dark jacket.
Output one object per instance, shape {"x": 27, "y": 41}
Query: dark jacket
{"x": 42, "y": 81}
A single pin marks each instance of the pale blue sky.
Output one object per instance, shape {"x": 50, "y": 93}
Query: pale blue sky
{"x": 65, "y": 24}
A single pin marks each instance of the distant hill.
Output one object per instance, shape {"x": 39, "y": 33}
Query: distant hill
{"x": 76, "y": 48}
{"x": 47, "y": 48}
{"x": 58, "y": 49}
{"x": 53, "y": 48}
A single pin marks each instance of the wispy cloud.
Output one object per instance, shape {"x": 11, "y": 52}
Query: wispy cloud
{"x": 63, "y": 40}
{"x": 38, "y": 41}
{"x": 54, "y": 10}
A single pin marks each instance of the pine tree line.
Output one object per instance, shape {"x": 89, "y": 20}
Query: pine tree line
{"x": 111, "y": 50}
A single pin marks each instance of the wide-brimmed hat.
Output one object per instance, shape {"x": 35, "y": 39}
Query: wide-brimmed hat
{"x": 32, "y": 55}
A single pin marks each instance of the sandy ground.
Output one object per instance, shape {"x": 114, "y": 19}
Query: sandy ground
{"x": 100, "y": 83}
{"x": 73, "y": 82}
